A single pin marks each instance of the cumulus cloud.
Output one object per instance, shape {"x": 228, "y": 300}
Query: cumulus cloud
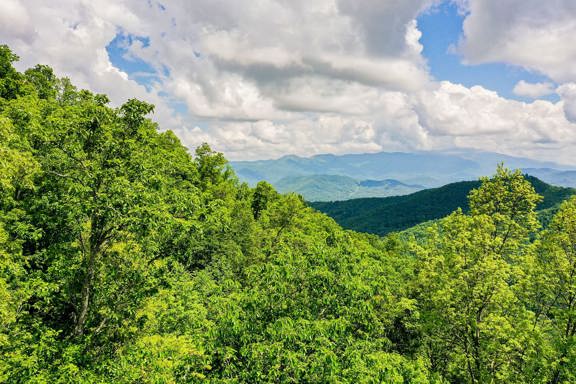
{"x": 276, "y": 77}
{"x": 568, "y": 94}
{"x": 447, "y": 116}
{"x": 533, "y": 90}
{"x": 385, "y": 38}
{"x": 227, "y": 61}
{"x": 537, "y": 35}
{"x": 14, "y": 20}
{"x": 475, "y": 115}
{"x": 72, "y": 38}
{"x": 531, "y": 33}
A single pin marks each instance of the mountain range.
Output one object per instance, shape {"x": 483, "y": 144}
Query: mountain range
{"x": 341, "y": 177}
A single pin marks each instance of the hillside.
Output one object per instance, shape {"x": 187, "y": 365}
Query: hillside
{"x": 335, "y": 188}
{"x": 389, "y": 214}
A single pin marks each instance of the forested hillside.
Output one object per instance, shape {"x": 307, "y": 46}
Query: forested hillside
{"x": 126, "y": 259}
{"x": 335, "y": 188}
{"x": 396, "y": 213}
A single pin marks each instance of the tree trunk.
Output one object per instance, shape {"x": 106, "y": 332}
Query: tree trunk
{"x": 86, "y": 292}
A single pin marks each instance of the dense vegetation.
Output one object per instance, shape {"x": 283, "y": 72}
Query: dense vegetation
{"x": 124, "y": 259}
{"x": 397, "y": 213}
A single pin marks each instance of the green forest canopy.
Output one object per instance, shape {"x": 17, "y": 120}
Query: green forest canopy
{"x": 382, "y": 215}
{"x": 125, "y": 259}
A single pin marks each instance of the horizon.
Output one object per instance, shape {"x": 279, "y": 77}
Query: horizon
{"x": 329, "y": 77}
{"x": 452, "y": 151}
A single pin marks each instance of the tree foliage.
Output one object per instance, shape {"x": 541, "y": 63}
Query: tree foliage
{"x": 126, "y": 259}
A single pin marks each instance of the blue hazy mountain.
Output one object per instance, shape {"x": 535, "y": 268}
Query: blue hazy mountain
{"x": 336, "y": 188}
{"x": 426, "y": 168}
{"x": 554, "y": 176}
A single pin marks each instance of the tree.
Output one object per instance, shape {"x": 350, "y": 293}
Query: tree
{"x": 10, "y": 79}
{"x": 510, "y": 201}
{"x": 264, "y": 194}
{"x": 44, "y": 81}
{"x": 123, "y": 258}
{"x": 211, "y": 166}
{"x": 551, "y": 290}
{"x": 473, "y": 324}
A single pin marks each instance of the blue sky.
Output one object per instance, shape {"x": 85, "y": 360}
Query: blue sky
{"x": 118, "y": 52}
{"x": 441, "y": 29}
{"x": 138, "y": 69}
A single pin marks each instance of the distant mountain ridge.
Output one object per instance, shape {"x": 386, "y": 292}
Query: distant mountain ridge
{"x": 391, "y": 214}
{"x": 554, "y": 176}
{"x": 426, "y": 168}
{"x": 336, "y": 188}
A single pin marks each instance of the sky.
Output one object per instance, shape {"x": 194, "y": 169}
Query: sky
{"x": 260, "y": 79}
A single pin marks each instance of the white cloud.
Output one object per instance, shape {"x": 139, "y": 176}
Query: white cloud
{"x": 72, "y": 37}
{"x": 14, "y": 20}
{"x": 535, "y": 34}
{"x": 478, "y": 118}
{"x": 445, "y": 117}
{"x": 568, "y": 94}
{"x": 292, "y": 76}
{"x": 382, "y": 24}
{"x": 533, "y": 90}
{"x": 227, "y": 61}
{"x": 327, "y": 133}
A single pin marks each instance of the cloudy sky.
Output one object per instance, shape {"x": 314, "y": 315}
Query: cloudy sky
{"x": 263, "y": 78}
